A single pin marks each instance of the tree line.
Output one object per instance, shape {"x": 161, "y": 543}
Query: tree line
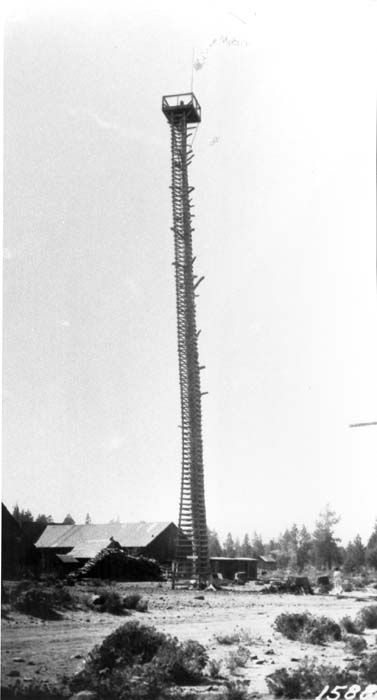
{"x": 297, "y": 548}
{"x": 23, "y": 515}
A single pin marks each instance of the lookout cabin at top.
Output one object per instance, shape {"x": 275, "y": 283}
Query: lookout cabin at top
{"x": 177, "y": 105}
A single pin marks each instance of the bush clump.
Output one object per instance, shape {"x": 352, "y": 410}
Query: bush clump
{"x": 238, "y": 658}
{"x": 136, "y": 661}
{"x": 307, "y": 627}
{"x": 355, "y": 644}
{"x": 235, "y": 691}
{"x": 237, "y": 637}
{"x": 131, "y": 601}
{"x": 40, "y": 601}
{"x": 308, "y": 679}
{"x": 350, "y": 626}
{"x": 305, "y": 681}
{"x": 368, "y": 616}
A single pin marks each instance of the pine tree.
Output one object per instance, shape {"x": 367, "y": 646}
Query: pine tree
{"x": 215, "y": 549}
{"x": 325, "y": 542}
{"x": 371, "y": 550}
{"x": 229, "y": 548}
{"x": 45, "y": 519}
{"x": 22, "y": 516}
{"x": 304, "y": 549}
{"x": 354, "y": 555}
{"x": 68, "y": 520}
{"x": 257, "y": 545}
{"x": 246, "y": 549}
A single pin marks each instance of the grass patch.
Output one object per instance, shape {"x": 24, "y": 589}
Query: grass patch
{"x": 36, "y": 690}
{"x": 306, "y": 627}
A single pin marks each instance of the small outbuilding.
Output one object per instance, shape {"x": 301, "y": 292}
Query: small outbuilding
{"x": 267, "y": 563}
{"x": 228, "y": 567}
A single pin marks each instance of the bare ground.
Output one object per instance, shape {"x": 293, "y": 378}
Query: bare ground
{"x": 50, "y": 649}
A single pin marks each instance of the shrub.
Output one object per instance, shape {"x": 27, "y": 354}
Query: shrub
{"x": 112, "y": 602}
{"x": 131, "y": 601}
{"x": 238, "y": 658}
{"x": 368, "y": 616}
{"x": 40, "y": 601}
{"x": 355, "y": 644}
{"x": 214, "y": 668}
{"x": 306, "y": 680}
{"x": 347, "y": 587}
{"x": 235, "y": 691}
{"x": 181, "y": 663}
{"x": 368, "y": 669}
{"x": 352, "y": 626}
{"x": 136, "y": 661}
{"x": 307, "y": 628}
{"x": 142, "y": 605}
{"x": 129, "y": 644}
{"x": 309, "y": 678}
{"x": 237, "y": 637}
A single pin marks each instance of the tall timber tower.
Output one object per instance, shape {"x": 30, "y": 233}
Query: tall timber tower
{"x": 183, "y": 114}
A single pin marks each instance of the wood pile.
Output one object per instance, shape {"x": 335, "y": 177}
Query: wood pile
{"x": 116, "y": 564}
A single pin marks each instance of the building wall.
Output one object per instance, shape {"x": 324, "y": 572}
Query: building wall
{"x": 163, "y": 546}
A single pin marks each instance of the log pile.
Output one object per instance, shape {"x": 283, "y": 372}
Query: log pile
{"x": 116, "y": 564}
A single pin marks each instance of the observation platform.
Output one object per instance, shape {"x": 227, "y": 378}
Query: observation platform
{"x": 184, "y": 103}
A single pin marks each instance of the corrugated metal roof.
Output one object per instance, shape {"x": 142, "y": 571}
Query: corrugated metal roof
{"x": 52, "y": 534}
{"x": 87, "y": 540}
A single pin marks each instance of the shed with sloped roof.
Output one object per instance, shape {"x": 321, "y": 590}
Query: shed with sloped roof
{"x": 83, "y": 542}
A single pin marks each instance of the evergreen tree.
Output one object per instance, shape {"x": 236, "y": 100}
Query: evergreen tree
{"x": 371, "y": 550}
{"x": 22, "y": 516}
{"x": 237, "y": 547}
{"x": 68, "y": 520}
{"x": 325, "y": 543}
{"x": 228, "y": 547}
{"x": 45, "y": 519}
{"x": 304, "y": 549}
{"x": 214, "y": 546}
{"x": 246, "y": 548}
{"x": 354, "y": 557}
{"x": 257, "y": 545}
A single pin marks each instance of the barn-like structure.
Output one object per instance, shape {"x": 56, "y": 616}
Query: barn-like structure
{"x": 74, "y": 545}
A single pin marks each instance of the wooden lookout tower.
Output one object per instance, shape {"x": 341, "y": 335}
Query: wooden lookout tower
{"x": 183, "y": 114}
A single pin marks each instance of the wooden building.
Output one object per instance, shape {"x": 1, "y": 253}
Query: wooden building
{"x": 228, "y": 567}
{"x": 19, "y": 556}
{"x": 76, "y": 544}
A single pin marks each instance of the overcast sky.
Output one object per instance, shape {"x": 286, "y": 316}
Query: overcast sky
{"x": 285, "y": 234}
